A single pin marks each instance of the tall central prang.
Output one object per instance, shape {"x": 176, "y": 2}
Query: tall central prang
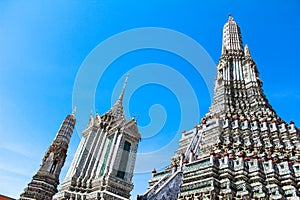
{"x": 241, "y": 149}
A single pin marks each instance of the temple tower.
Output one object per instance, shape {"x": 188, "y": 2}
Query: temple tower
{"x": 44, "y": 183}
{"x": 103, "y": 165}
{"x": 241, "y": 149}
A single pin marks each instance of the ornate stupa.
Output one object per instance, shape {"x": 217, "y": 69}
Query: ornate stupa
{"x": 44, "y": 183}
{"x": 241, "y": 149}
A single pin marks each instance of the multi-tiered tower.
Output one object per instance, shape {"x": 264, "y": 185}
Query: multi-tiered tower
{"x": 103, "y": 165}
{"x": 44, "y": 183}
{"x": 241, "y": 149}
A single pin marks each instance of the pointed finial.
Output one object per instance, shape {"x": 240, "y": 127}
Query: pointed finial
{"x": 124, "y": 87}
{"x": 126, "y": 80}
{"x": 230, "y": 18}
{"x": 74, "y": 110}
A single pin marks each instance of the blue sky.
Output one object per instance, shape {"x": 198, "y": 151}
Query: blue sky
{"x": 43, "y": 46}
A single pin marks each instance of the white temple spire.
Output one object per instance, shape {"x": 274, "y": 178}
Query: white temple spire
{"x": 105, "y": 157}
{"x": 232, "y": 38}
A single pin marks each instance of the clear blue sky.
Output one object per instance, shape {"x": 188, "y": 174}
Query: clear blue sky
{"x": 44, "y": 43}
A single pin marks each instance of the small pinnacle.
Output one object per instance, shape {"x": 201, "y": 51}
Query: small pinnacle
{"x": 247, "y": 52}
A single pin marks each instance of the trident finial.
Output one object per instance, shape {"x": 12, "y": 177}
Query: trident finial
{"x": 230, "y": 18}
{"x": 74, "y": 110}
